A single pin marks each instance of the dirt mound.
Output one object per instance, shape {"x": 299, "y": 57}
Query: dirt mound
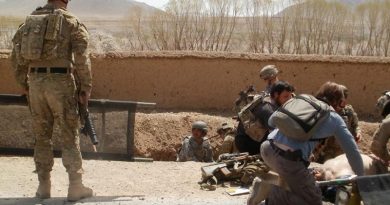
{"x": 157, "y": 135}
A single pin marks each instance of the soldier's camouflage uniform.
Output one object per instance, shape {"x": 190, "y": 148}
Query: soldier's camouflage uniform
{"x": 192, "y": 151}
{"x": 53, "y": 96}
{"x": 331, "y": 148}
{"x": 381, "y": 138}
{"x": 228, "y": 145}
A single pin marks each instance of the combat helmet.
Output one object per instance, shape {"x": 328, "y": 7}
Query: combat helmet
{"x": 225, "y": 126}
{"x": 269, "y": 71}
{"x": 200, "y": 125}
{"x": 383, "y": 103}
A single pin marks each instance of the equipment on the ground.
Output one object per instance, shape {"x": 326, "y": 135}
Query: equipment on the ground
{"x": 231, "y": 167}
{"x": 352, "y": 190}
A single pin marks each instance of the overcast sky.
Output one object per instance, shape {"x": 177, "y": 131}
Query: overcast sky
{"x": 156, "y": 3}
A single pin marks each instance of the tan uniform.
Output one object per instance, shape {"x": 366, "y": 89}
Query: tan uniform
{"x": 53, "y": 95}
{"x": 228, "y": 145}
{"x": 332, "y": 149}
{"x": 381, "y": 138}
{"x": 192, "y": 151}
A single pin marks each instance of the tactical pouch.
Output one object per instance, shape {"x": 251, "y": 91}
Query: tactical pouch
{"x": 253, "y": 127}
{"x": 54, "y": 24}
{"x": 40, "y": 36}
{"x": 33, "y": 37}
{"x": 255, "y": 130}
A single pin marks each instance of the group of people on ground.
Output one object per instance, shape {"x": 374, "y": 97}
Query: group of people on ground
{"x": 257, "y": 133}
{"x": 50, "y": 51}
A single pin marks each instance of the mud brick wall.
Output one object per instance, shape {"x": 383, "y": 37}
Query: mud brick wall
{"x": 204, "y": 81}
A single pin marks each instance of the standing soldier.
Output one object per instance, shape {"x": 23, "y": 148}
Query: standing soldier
{"x": 270, "y": 75}
{"x": 51, "y": 51}
{"x": 382, "y": 134}
{"x": 196, "y": 147}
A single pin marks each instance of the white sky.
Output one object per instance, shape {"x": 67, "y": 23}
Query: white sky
{"x": 156, "y": 3}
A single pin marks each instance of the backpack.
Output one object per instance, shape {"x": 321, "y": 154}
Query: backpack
{"x": 300, "y": 117}
{"x": 40, "y": 36}
{"x": 253, "y": 127}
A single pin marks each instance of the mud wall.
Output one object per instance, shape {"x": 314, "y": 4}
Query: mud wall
{"x": 203, "y": 81}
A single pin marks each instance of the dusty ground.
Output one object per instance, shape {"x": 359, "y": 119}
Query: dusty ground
{"x": 116, "y": 183}
{"x": 157, "y": 135}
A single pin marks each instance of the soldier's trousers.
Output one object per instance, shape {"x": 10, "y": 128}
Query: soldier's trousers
{"x": 52, "y": 100}
{"x": 296, "y": 175}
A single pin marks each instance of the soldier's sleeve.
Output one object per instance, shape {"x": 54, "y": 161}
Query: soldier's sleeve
{"x": 20, "y": 68}
{"x": 82, "y": 62}
{"x": 209, "y": 153}
{"x": 185, "y": 153}
{"x": 381, "y": 138}
{"x": 355, "y": 129}
{"x": 227, "y": 145}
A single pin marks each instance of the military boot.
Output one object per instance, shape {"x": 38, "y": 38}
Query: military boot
{"x": 44, "y": 187}
{"x": 76, "y": 189}
{"x": 259, "y": 192}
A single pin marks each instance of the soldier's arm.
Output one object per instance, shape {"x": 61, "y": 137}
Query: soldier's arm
{"x": 82, "y": 62}
{"x": 185, "y": 153}
{"x": 263, "y": 114}
{"x": 209, "y": 154}
{"x": 348, "y": 144}
{"x": 381, "y": 138}
{"x": 227, "y": 145}
{"x": 355, "y": 129}
{"x": 20, "y": 68}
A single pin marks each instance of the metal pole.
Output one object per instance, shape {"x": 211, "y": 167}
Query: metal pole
{"x": 130, "y": 131}
{"x": 103, "y": 133}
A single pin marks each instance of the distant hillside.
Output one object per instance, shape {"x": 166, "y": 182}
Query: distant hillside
{"x": 291, "y": 9}
{"x": 100, "y": 9}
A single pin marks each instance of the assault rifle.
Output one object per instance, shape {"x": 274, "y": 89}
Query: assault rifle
{"x": 244, "y": 98}
{"x": 229, "y": 168}
{"x": 89, "y": 128}
{"x": 337, "y": 182}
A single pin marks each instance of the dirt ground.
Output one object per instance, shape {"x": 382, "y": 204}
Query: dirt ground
{"x": 115, "y": 183}
{"x": 158, "y": 135}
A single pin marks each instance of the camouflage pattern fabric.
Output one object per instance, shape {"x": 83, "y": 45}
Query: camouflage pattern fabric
{"x": 192, "y": 151}
{"x": 331, "y": 148}
{"x": 381, "y": 138}
{"x": 52, "y": 97}
{"x": 228, "y": 145}
{"x": 71, "y": 50}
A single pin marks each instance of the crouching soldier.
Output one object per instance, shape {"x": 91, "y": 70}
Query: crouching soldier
{"x": 227, "y": 133}
{"x": 196, "y": 147}
{"x": 382, "y": 134}
{"x": 253, "y": 126}
{"x": 301, "y": 123}
{"x": 329, "y": 148}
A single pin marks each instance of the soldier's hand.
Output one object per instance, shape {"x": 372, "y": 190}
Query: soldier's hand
{"x": 358, "y": 137}
{"x": 84, "y": 97}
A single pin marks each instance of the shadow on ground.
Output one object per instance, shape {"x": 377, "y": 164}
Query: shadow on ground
{"x": 63, "y": 201}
